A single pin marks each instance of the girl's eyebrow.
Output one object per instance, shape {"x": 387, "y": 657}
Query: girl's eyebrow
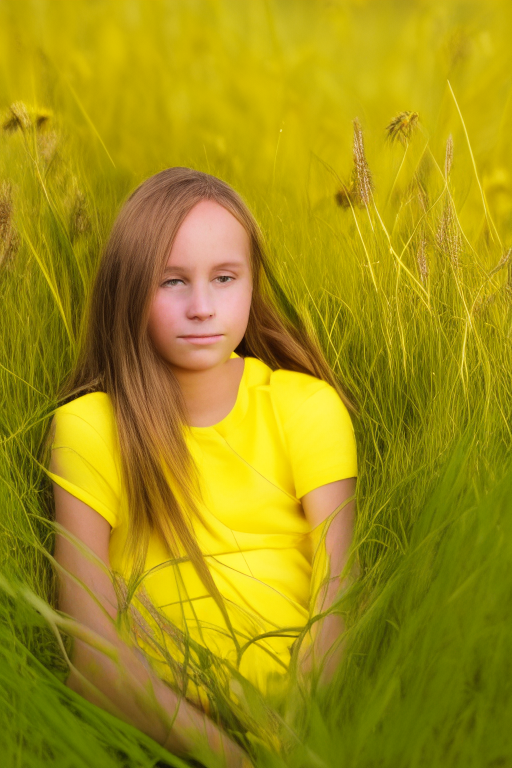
{"x": 215, "y": 266}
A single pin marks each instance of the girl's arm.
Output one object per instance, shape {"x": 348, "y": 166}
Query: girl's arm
{"x": 128, "y": 689}
{"x": 318, "y": 504}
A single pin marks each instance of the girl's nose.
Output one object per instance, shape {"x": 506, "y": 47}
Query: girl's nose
{"x": 201, "y": 301}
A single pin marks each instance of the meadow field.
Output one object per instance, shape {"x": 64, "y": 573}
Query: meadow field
{"x": 371, "y": 139}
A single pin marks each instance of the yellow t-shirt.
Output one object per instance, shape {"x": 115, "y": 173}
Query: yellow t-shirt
{"x": 287, "y": 434}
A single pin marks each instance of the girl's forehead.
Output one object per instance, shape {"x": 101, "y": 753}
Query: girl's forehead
{"x": 209, "y": 216}
{"x": 211, "y": 235}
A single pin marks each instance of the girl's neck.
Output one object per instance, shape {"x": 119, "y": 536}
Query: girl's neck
{"x": 210, "y": 395}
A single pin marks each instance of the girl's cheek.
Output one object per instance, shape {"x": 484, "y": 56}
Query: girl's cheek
{"x": 161, "y": 319}
{"x": 166, "y": 311}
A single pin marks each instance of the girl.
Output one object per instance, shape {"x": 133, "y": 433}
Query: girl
{"x": 201, "y": 440}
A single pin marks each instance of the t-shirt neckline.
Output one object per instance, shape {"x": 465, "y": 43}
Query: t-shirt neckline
{"x": 236, "y": 413}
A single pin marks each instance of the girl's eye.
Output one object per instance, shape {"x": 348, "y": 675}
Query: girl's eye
{"x": 174, "y": 279}
{"x": 228, "y": 276}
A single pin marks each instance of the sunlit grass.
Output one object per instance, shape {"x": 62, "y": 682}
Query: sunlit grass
{"x": 371, "y": 140}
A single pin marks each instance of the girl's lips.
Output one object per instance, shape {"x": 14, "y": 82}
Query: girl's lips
{"x": 202, "y": 339}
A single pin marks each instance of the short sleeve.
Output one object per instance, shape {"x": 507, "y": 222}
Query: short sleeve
{"x": 83, "y": 464}
{"x": 321, "y": 441}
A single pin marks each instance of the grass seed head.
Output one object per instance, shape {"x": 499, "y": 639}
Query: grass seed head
{"x": 80, "y": 221}
{"x": 9, "y": 238}
{"x": 77, "y": 207}
{"x": 402, "y": 127}
{"x": 362, "y": 182}
{"x": 345, "y": 196}
{"x": 421, "y": 258}
{"x": 19, "y": 116}
{"x": 448, "y": 235}
{"x": 448, "y": 158}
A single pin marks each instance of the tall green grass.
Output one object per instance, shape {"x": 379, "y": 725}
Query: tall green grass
{"x": 409, "y": 292}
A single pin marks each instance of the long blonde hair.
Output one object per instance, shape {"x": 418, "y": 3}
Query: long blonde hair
{"x": 116, "y": 355}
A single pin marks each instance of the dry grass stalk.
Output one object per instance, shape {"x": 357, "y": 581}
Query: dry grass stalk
{"x": 449, "y": 235}
{"x": 508, "y": 285}
{"x": 505, "y": 291}
{"x": 47, "y": 145}
{"x": 402, "y": 127}
{"x": 9, "y": 238}
{"x": 423, "y": 197}
{"x": 448, "y": 158}
{"x": 362, "y": 182}
{"x": 502, "y": 262}
{"x": 483, "y": 303}
{"x": 142, "y": 631}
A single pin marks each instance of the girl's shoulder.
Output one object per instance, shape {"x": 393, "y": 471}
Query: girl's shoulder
{"x": 85, "y": 455}
{"x": 91, "y": 413}
{"x": 291, "y": 389}
{"x": 91, "y": 407}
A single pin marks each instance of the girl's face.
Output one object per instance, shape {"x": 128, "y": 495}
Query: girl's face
{"x": 206, "y": 290}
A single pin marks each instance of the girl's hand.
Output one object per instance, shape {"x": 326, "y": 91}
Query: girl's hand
{"x": 200, "y": 726}
{"x": 227, "y": 749}
{"x": 235, "y": 756}
{"x": 324, "y": 653}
